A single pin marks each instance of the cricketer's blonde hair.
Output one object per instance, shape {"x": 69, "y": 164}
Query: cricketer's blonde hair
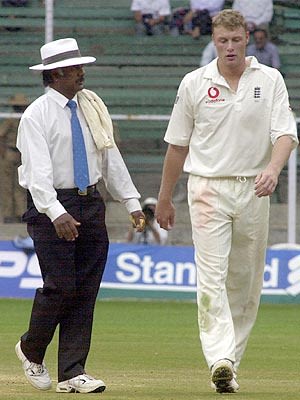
{"x": 229, "y": 19}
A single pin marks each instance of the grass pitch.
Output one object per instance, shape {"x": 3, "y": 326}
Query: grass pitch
{"x": 150, "y": 351}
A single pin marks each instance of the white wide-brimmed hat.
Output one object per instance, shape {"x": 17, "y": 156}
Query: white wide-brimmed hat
{"x": 61, "y": 53}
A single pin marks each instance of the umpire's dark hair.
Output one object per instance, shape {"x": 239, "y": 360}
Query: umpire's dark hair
{"x": 47, "y": 77}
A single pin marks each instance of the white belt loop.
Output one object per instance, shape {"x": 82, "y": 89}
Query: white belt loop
{"x": 241, "y": 179}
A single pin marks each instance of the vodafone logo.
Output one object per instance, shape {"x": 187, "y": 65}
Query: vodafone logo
{"x": 213, "y": 96}
{"x": 213, "y": 92}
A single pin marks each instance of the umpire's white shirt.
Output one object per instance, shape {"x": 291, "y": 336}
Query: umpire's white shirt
{"x": 45, "y": 142}
{"x": 230, "y": 133}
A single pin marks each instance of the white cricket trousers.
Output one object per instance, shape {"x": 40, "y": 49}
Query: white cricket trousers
{"x": 230, "y": 231}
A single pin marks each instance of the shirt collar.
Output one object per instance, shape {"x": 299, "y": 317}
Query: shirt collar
{"x": 59, "y": 98}
{"x": 212, "y": 71}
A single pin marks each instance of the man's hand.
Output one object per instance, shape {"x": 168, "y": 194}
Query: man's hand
{"x": 266, "y": 182}
{"x": 138, "y": 220}
{"x": 165, "y": 214}
{"x": 66, "y": 227}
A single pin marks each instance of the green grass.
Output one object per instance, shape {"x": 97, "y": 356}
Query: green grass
{"x": 150, "y": 351}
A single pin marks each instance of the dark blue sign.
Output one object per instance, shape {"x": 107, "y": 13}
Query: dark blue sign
{"x": 139, "y": 267}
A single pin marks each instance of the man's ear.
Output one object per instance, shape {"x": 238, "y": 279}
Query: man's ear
{"x": 57, "y": 73}
{"x": 247, "y": 37}
{"x": 54, "y": 74}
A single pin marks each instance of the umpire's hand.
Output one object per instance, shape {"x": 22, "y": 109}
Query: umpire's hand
{"x": 138, "y": 220}
{"x": 66, "y": 227}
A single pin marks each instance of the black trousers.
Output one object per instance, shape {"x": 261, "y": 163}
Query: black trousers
{"x": 72, "y": 272}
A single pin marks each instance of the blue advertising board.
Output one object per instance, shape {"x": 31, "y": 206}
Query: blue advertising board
{"x": 143, "y": 270}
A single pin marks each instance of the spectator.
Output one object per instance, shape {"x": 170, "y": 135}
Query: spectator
{"x": 195, "y": 20}
{"x": 257, "y": 13}
{"x": 12, "y": 195}
{"x": 265, "y": 51}
{"x": 153, "y": 233}
{"x": 151, "y": 16}
{"x": 209, "y": 53}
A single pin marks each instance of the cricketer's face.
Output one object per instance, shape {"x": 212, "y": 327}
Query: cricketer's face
{"x": 231, "y": 46}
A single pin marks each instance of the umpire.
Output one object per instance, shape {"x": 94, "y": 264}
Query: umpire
{"x": 66, "y": 142}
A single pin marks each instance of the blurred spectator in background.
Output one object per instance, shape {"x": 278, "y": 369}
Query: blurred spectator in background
{"x": 265, "y": 51}
{"x": 195, "y": 20}
{"x": 12, "y": 195}
{"x": 209, "y": 53}
{"x": 257, "y": 13}
{"x": 151, "y": 16}
{"x": 153, "y": 233}
{"x": 14, "y": 3}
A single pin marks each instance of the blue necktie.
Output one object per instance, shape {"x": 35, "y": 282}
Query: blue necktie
{"x": 81, "y": 170}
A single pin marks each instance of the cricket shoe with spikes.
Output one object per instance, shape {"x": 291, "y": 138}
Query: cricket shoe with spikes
{"x": 223, "y": 379}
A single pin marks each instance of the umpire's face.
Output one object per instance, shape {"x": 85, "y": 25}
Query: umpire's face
{"x": 69, "y": 80}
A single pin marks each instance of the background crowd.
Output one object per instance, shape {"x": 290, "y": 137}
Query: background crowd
{"x": 156, "y": 16}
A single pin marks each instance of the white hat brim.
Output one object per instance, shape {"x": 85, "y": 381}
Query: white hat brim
{"x": 64, "y": 63}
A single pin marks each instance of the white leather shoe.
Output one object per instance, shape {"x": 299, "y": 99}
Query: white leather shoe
{"x": 81, "y": 384}
{"x": 36, "y": 374}
{"x": 222, "y": 377}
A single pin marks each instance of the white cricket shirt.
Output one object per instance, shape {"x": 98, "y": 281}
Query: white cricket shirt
{"x": 230, "y": 133}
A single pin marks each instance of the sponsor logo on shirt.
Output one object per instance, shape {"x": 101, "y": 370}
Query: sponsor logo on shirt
{"x": 213, "y": 94}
